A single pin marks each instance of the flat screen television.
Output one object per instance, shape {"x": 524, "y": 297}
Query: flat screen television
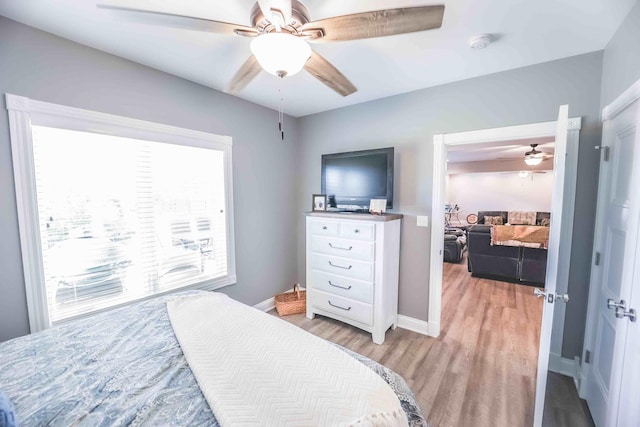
{"x": 350, "y": 180}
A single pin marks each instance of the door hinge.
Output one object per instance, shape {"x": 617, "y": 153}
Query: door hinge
{"x": 605, "y": 151}
{"x": 587, "y": 356}
{"x": 597, "y": 259}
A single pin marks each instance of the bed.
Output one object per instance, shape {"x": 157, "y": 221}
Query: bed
{"x": 122, "y": 367}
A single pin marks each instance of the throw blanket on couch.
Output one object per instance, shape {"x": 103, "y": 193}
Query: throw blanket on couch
{"x": 531, "y": 236}
{"x": 257, "y": 370}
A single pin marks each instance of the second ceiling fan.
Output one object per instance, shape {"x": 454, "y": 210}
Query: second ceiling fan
{"x": 282, "y": 30}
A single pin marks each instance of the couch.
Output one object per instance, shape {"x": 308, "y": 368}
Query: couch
{"x": 540, "y": 216}
{"x": 455, "y": 243}
{"x": 508, "y": 263}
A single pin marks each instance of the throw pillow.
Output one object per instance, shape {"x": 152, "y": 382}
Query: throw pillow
{"x": 522, "y": 218}
{"x": 7, "y": 412}
{"x": 493, "y": 220}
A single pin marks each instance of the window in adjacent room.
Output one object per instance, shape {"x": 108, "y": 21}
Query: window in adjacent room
{"x": 120, "y": 218}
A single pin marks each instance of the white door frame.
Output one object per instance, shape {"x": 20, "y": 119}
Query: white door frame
{"x": 618, "y": 404}
{"x": 441, "y": 142}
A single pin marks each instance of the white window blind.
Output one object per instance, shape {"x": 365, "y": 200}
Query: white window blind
{"x": 113, "y": 209}
{"x": 121, "y": 219}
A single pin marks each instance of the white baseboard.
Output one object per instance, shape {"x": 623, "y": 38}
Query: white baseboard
{"x": 266, "y": 305}
{"x": 416, "y": 325}
{"x": 270, "y": 304}
{"x": 567, "y": 367}
{"x": 404, "y": 322}
{"x": 562, "y": 366}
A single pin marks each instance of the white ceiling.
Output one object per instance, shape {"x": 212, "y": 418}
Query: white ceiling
{"x": 505, "y": 150}
{"x": 528, "y": 32}
{"x": 505, "y": 156}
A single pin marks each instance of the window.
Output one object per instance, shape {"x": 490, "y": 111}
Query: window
{"x": 114, "y": 210}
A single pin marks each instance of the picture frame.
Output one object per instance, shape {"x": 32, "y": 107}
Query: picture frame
{"x": 377, "y": 206}
{"x": 318, "y": 202}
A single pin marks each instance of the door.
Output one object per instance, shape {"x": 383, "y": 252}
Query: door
{"x": 552, "y": 267}
{"x": 628, "y": 410}
{"x": 612, "y": 275}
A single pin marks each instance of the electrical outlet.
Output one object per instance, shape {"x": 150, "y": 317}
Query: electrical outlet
{"x": 423, "y": 221}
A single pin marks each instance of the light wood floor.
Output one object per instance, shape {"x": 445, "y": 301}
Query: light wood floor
{"x": 480, "y": 371}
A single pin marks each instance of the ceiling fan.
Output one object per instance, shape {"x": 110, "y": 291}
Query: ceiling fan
{"x": 282, "y": 30}
{"x": 534, "y": 157}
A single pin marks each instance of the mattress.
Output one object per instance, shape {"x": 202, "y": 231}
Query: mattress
{"x": 121, "y": 367}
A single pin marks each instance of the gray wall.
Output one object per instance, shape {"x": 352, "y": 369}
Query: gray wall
{"x": 409, "y": 121}
{"x": 621, "y": 61}
{"x": 48, "y": 68}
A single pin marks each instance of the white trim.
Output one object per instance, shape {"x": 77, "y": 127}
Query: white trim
{"x": 507, "y": 133}
{"x": 627, "y": 98}
{"x": 42, "y": 113}
{"x": 266, "y": 305}
{"x": 615, "y": 397}
{"x": 567, "y": 367}
{"x": 569, "y": 166}
{"x": 563, "y": 366}
{"x": 437, "y": 231}
{"x": 419, "y": 326}
{"x": 536, "y": 130}
{"x": 23, "y": 113}
{"x": 23, "y": 170}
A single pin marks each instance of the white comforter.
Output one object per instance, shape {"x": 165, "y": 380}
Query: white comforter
{"x": 257, "y": 370}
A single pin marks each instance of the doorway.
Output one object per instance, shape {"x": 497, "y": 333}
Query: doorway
{"x": 564, "y": 181}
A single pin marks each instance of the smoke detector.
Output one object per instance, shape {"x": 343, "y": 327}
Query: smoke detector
{"x": 480, "y": 41}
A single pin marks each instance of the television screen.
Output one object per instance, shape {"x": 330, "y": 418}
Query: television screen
{"x": 351, "y": 180}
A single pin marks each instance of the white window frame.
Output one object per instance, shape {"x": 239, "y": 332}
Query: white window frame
{"x": 25, "y": 112}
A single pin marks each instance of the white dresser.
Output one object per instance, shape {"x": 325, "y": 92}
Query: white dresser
{"x": 352, "y": 269}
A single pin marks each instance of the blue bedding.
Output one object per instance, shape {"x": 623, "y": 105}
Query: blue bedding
{"x": 122, "y": 367}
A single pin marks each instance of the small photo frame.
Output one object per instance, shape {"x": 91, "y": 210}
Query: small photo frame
{"x": 319, "y": 202}
{"x": 377, "y": 206}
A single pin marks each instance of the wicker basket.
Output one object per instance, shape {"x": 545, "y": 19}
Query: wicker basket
{"x": 291, "y": 302}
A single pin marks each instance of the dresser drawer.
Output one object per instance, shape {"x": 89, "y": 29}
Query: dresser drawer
{"x": 344, "y": 286}
{"x": 343, "y": 266}
{"x": 324, "y": 228}
{"x": 357, "y": 230}
{"x": 355, "y": 249}
{"x": 345, "y": 307}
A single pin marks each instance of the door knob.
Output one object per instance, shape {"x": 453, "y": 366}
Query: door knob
{"x": 612, "y": 305}
{"x": 539, "y": 293}
{"x": 621, "y": 313}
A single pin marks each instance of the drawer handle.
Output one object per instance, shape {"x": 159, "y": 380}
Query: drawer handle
{"x": 337, "y": 306}
{"x": 341, "y": 287}
{"x": 324, "y": 227}
{"x": 339, "y": 247}
{"x": 339, "y": 266}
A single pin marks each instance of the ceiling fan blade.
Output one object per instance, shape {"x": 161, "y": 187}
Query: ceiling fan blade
{"x": 283, "y": 7}
{"x": 245, "y": 74}
{"x": 322, "y": 70}
{"x": 180, "y": 21}
{"x": 374, "y": 24}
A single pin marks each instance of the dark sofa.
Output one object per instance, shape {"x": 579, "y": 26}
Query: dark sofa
{"x": 508, "y": 263}
{"x": 455, "y": 243}
{"x": 540, "y": 216}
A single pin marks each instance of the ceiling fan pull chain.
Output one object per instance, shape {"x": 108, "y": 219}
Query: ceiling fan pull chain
{"x": 281, "y": 111}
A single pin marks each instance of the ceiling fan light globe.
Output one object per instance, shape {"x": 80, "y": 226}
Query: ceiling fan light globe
{"x": 280, "y": 54}
{"x": 533, "y": 161}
